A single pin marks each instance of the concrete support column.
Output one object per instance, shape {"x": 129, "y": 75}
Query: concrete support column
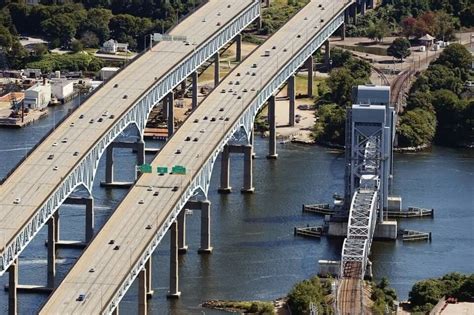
{"x": 309, "y": 66}
{"x": 183, "y": 86}
{"x": 363, "y": 7}
{"x": 292, "y": 98}
{"x": 251, "y": 141}
{"x": 89, "y": 219}
{"x": 327, "y": 53}
{"x": 174, "y": 289}
{"x": 140, "y": 148}
{"x": 248, "y": 170}
{"x": 170, "y": 108}
{"x": 109, "y": 164}
{"x": 343, "y": 31}
{"x": 12, "y": 285}
{"x": 164, "y": 110}
{"x": 205, "y": 228}
{"x": 142, "y": 290}
{"x": 238, "y": 48}
{"x": 182, "y": 247}
{"x": 56, "y": 224}
{"x": 194, "y": 77}
{"x": 51, "y": 253}
{"x": 225, "y": 171}
{"x": 354, "y": 13}
{"x": 217, "y": 78}
{"x": 148, "y": 269}
{"x": 272, "y": 121}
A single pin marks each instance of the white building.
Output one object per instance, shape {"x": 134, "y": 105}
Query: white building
{"x": 38, "y": 96}
{"x": 107, "y": 72}
{"x": 62, "y": 89}
{"x": 112, "y": 46}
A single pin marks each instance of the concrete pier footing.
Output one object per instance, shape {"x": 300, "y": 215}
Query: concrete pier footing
{"x": 174, "y": 292}
{"x": 247, "y": 150}
{"x": 238, "y": 48}
{"x": 292, "y": 98}
{"x": 206, "y": 247}
{"x": 217, "y": 77}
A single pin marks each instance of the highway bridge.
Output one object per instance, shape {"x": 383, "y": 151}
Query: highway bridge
{"x": 68, "y": 157}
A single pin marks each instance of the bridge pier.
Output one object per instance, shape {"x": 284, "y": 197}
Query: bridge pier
{"x": 354, "y": 13}
{"x": 327, "y": 54}
{"x": 309, "y": 65}
{"x": 272, "y": 122}
{"x": 13, "y": 284}
{"x": 138, "y": 146}
{"x": 195, "y": 84}
{"x": 225, "y": 171}
{"x": 142, "y": 290}
{"x": 238, "y": 48}
{"x": 247, "y": 150}
{"x": 292, "y": 97}
{"x": 174, "y": 293}
{"x": 343, "y": 29}
{"x": 182, "y": 247}
{"x": 217, "y": 60}
{"x": 206, "y": 247}
{"x": 170, "y": 110}
{"x": 363, "y": 7}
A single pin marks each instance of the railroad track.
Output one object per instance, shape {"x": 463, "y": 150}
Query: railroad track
{"x": 350, "y": 291}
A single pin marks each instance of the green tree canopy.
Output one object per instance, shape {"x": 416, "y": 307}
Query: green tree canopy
{"x": 305, "y": 292}
{"x": 330, "y": 126}
{"x": 417, "y": 127}
{"x": 400, "y": 48}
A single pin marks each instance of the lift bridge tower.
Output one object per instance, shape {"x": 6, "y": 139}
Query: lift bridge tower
{"x": 370, "y": 132}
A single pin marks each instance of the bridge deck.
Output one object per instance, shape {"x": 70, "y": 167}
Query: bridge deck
{"x": 34, "y": 180}
{"x": 127, "y": 224}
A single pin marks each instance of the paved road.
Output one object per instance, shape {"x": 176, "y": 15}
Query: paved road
{"x": 26, "y": 190}
{"x": 140, "y": 208}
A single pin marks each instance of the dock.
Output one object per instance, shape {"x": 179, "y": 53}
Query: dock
{"x": 412, "y": 212}
{"x": 412, "y": 236}
{"x": 314, "y": 231}
{"x": 322, "y": 208}
{"x": 31, "y": 117}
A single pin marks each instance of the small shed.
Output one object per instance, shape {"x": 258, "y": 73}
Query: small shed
{"x": 426, "y": 40}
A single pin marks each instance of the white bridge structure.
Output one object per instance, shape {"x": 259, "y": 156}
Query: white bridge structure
{"x": 68, "y": 158}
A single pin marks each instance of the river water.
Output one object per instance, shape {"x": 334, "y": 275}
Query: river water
{"x": 255, "y": 253}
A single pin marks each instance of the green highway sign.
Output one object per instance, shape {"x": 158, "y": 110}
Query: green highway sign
{"x": 162, "y": 170}
{"x": 145, "y": 168}
{"x": 178, "y": 169}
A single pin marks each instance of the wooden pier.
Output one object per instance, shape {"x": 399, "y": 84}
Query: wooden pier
{"x": 412, "y": 212}
{"x": 322, "y": 208}
{"x": 309, "y": 231}
{"x": 412, "y": 236}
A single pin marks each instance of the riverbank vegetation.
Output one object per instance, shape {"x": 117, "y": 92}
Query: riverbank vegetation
{"x": 425, "y": 294}
{"x": 310, "y": 291}
{"x": 251, "y": 307}
{"x": 383, "y": 297}
{"x": 335, "y": 95}
{"x": 440, "y": 107}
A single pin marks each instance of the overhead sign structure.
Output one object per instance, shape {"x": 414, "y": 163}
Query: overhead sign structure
{"x": 157, "y": 37}
{"x": 145, "y": 168}
{"x": 179, "y": 170}
{"x": 161, "y": 170}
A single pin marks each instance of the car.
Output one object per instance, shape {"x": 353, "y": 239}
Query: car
{"x": 17, "y": 201}
{"x": 196, "y": 120}
{"x": 111, "y": 242}
{"x": 149, "y": 188}
{"x": 112, "y": 116}
{"x": 175, "y": 188}
{"x": 322, "y": 20}
{"x": 178, "y": 151}
{"x": 230, "y": 90}
{"x": 125, "y": 96}
{"x": 218, "y": 23}
{"x": 186, "y": 43}
{"x": 231, "y": 82}
{"x": 253, "y": 74}
{"x": 156, "y": 193}
{"x": 117, "y": 247}
{"x": 221, "y": 109}
{"x": 202, "y": 130}
{"x": 252, "y": 89}
{"x": 254, "y": 65}
{"x": 55, "y": 144}
{"x": 322, "y": 8}
{"x": 237, "y": 83}
{"x": 81, "y": 297}
{"x": 105, "y": 114}
{"x": 75, "y": 153}
{"x": 320, "y": 5}
{"x": 205, "y": 118}
{"x": 82, "y": 116}
{"x": 141, "y": 202}
{"x": 235, "y": 93}
{"x": 55, "y": 168}
{"x": 221, "y": 118}
{"x": 148, "y": 227}
{"x": 238, "y": 74}
{"x": 274, "y": 47}
{"x": 226, "y": 119}
{"x": 115, "y": 85}
{"x": 298, "y": 36}
{"x": 223, "y": 91}
{"x": 187, "y": 138}
{"x": 64, "y": 140}
{"x": 245, "y": 90}
{"x": 285, "y": 50}
{"x": 100, "y": 119}
{"x": 51, "y": 156}
{"x": 91, "y": 121}
{"x": 195, "y": 139}
{"x": 213, "y": 119}
{"x": 239, "y": 97}
{"x": 72, "y": 124}
{"x": 92, "y": 270}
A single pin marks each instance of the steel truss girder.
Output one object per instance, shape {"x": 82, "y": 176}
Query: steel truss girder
{"x": 202, "y": 179}
{"x": 85, "y": 170}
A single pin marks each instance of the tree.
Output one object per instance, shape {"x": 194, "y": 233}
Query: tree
{"x": 417, "y": 127}
{"x": 76, "y": 46}
{"x": 444, "y": 27}
{"x": 6, "y": 39}
{"x": 305, "y": 292}
{"x": 340, "y": 83}
{"x": 40, "y": 49}
{"x": 89, "y": 40}
{"x": 455, "y": 56}
{"x": 408, "y": 26}
{"x": 97, "y": 22}
{"x": 340, "y": 57}
{"x": 425, "y": 292}
{"x": 60, "y": 27}
{"x": 330, "y": 126}
{"x": 377, "y": 30}
{"x": 400, "y": 48}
